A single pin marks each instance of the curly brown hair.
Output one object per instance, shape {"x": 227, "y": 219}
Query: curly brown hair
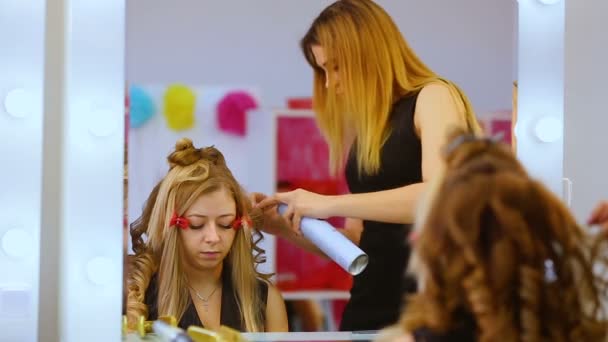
{"x": 497, "y": 244}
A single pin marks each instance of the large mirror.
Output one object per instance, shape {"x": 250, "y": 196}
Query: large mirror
{"x": 222, "y": 73}
{"x": 240, "y": 60}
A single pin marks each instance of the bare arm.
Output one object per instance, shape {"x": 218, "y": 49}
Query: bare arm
{"x": 276, "y": 314}
{"x": 436, "y": 112}
{"x": 391, "y": 206}
{"x": 280, "y": 225}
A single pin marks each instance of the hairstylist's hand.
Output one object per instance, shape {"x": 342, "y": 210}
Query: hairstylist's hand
{"x": 299, "y": 203}
{"x": 274, "y": 223}
{"x": 599, "y": 216}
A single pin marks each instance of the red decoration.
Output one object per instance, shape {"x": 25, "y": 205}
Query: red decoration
{"x": 178, "y": 221}
{"x": 299, "y": 103}
{"x": 238, "y": 223}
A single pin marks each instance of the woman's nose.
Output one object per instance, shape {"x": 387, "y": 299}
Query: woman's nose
{"x": 210, "y": 233}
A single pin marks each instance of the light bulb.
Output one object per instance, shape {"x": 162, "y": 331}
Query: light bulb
{"x": 549, "y": 129}
{"x": 18, "y": 103}
{"x": 549, "y": 2}
{"x": 16, "y": 243}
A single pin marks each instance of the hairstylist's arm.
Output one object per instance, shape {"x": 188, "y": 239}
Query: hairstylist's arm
{"x": 277, "y": 225}
{"x": 599, "y": 216}
{"x": 436, "y": 112}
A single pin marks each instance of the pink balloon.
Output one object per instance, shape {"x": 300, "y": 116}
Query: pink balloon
{"x": 232, "y": 112}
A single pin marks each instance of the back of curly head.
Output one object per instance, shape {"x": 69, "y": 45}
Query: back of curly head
{"x": 193, "y": 172}
{"x": 497, "y": 244}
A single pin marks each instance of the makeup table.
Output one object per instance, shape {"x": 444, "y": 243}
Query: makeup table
{"x": 328, "y": 336}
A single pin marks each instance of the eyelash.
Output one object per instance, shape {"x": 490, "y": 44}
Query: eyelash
{"x": 201, "y": 226}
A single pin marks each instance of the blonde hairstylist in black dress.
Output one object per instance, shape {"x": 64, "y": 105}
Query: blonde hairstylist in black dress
{"x": 384, "y": 114}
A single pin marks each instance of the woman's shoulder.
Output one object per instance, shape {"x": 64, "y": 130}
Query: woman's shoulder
{"x": 436, "y": 91}
{"x": 275, "y": 315}
{"x": 433, "y": 89}
{"x": 439, "y": 102}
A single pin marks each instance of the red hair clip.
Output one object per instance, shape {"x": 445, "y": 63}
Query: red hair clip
{"x": 178, "y": 221}
{"x": 238, "y": 223}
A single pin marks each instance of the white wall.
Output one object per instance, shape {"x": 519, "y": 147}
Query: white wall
{"x": 209, "y": 42}
{"x": 586, "y": 112}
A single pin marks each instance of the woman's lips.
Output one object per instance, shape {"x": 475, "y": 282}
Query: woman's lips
{"x": 209, "y": 255}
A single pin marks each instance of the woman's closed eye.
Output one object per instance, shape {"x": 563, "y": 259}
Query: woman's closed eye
{"x": 219, "y": 224}
{"x": 225, "y": 226}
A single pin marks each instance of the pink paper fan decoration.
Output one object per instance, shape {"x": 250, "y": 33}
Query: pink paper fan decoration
{"x": 232, "y": 112}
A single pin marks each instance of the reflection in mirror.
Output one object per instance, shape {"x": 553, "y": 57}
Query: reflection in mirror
{"x": 231, "y": 74}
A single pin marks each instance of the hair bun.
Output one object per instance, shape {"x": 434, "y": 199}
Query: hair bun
{"x": 184, "y": 144}
{"x": 185, "y": 153}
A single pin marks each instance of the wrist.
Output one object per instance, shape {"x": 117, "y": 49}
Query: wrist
{"x": 287, "y": 234}
{"x": 334, "y": 205}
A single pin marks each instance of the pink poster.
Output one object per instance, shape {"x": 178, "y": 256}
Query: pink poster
{"x": 498, "y": 122}
{"x": 303, "y": 163}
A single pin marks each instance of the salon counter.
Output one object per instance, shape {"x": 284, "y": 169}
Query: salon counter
{"x": 282, "y": 337}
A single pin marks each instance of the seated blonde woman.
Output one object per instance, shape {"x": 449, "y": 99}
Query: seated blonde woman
{"x": 198, "y": 262}
{"x": 500, "y": 258}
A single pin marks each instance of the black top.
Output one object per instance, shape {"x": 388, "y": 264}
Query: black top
{"x": 460, "y": 335}
{"x": 465, "y": 330}
{"x": 378, "y": 292}
{"x": 230, "y": 315}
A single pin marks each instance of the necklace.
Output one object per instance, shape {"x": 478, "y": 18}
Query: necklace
{"x": 205, "y": 300}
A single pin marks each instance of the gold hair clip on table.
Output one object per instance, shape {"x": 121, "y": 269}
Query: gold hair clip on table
{"x": 165, "y": 329}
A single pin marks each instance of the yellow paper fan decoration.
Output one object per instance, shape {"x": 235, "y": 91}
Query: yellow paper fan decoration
{"x": 179, "y": 107}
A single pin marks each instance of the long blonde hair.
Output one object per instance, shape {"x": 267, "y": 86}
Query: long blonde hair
{"x": 193, "y": 173}
{"x": 377, "y": 66}
{"x": 498, "y": 245}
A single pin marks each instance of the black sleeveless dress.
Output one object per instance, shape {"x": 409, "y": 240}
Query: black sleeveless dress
{"x": 378, "y": 292}
{"x": 230, "y": 315}
{"x": 463, "y": 329}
